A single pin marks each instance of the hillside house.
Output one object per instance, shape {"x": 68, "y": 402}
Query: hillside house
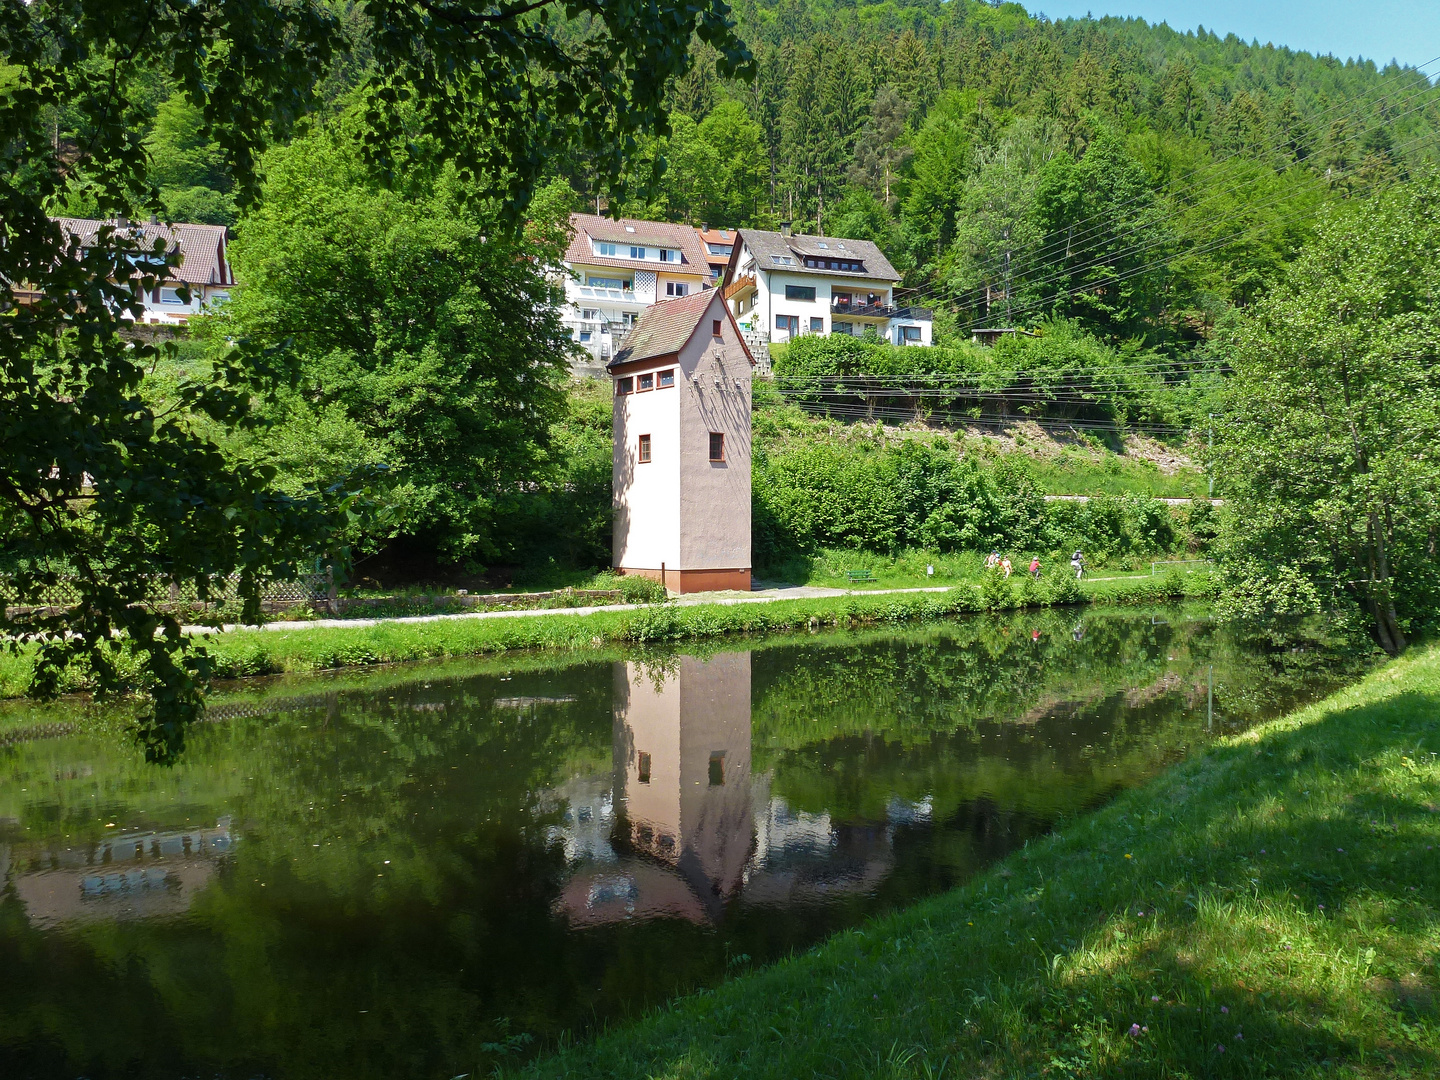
{"x": 780, "y": 286}
{"x": 682, "y": 447}
{"x": 615, "y": 269}
{"x": 719, "y": 243}
{"x": 204, "y": 266}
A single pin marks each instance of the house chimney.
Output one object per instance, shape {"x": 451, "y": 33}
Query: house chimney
{"x": 704, "y": 226}
{"x": 122, "y": 222}
{"x": 154, "y": 219}
{"x": 784, "y": 228}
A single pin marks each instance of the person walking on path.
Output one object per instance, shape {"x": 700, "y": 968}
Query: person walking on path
{"x": 1035, "y": 567}
{"x": 1078, "y": 562}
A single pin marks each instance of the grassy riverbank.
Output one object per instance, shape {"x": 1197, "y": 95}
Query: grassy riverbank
{"x": 245, "y": 653}
{"x": 1268, "y": 908}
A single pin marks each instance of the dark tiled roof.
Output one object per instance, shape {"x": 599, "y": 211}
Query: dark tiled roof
{"x": 768, "y": 246}
{"x": 202, "y": 247}
{"x": 588, "y": 227}
{"x": 664, "y": 328}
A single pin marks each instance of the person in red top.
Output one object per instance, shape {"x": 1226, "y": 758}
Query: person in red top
{"x": 1035, "y": 567}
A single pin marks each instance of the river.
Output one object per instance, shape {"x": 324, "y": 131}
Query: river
{"x": 419, "y": 872}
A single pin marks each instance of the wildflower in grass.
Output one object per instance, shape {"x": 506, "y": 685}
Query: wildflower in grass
{"x": 1224, "y": 1008}
{"x": 1220, "y": 1047}
{"x": 1127, "y": 855}
{"x": 1154, "y": 997}
{"x": 1239, "y": 1036}
{"x": 1135, "y": 1030}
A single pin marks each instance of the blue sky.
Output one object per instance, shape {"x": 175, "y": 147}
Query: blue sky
{"x": 1379, "y": 30}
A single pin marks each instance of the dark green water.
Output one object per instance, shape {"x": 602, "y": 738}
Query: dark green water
{"x": 416, "y": 873}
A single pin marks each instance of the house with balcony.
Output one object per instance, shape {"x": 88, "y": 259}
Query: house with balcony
{"x": 616, "y": 268}
{"x": 204, "y": 268}
{"x": 782, "y": 285}
{"x": 719, "y": 243}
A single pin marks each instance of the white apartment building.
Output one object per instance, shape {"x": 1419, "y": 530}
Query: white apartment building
{"x": 204, "y": 268}
{"x": 616, "y": 268}
{"x": 682, "y": 447}
{"x": 780, "y": 286}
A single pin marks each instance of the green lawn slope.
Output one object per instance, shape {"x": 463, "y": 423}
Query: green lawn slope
{"x": 1268, "y": 908}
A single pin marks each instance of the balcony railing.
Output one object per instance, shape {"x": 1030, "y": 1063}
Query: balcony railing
{"x": 862, "y": 311}
{"x": 595, "y": 292}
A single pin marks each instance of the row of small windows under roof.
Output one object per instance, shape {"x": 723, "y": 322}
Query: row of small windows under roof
{"x": 635, "y": 251}
{"x": 638, "y": 384}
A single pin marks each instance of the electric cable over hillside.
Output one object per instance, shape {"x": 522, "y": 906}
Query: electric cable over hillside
{"x": 1134, "y": 272}
{"x": 1139, "y": 248}
{"x": 1072, "y": 238}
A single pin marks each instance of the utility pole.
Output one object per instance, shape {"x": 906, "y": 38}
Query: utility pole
{"x": 1210, "y": 465}
{"x": 1008, "y": 323}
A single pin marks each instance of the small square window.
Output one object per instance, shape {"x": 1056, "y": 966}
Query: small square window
{"x": 666, "y": 255}
{"x": 644, "y": 449}
{"x": 584, "y": 335}
{"x": 675, "y": 288}
{"x": 625, "y": 385}
{"x": 644, "y": 768}
{"x": 607, "y": 250}
{"x": 817, "y": 324}
{"x": 717, "y": 446}
{"x": 667, "y": 378}
{"x": 637, "y": 253}
{"x": 646, "y": 382}
{"x": 714, "y": 327}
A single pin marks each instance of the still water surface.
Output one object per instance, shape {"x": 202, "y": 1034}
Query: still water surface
{"x": 419, "y": 872}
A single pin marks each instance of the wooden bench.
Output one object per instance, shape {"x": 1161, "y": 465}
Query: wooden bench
{"x": 857, "y": 576}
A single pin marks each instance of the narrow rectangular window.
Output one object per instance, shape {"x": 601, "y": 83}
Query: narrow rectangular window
{"x": 800, "y": 292}
{"x": 717, "y": 446}
{"x": 717, "y": 768}
{"x": 667, "y": 378}
{"x": 714, "y": 327}
{"x": 644, "y": 768}
{"x": 647, "y": 382}
{"x": 644, "y": 449}
{"x": 625, "y": 385}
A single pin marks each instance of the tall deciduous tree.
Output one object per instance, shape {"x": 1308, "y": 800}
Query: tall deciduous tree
{"x": 1328, "y": 449}
{"x": 421, "y": 328}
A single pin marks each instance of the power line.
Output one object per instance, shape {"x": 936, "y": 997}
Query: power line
{"x": 1135, "y": 249}
{"x": 1201, "y": 250}
{"x": 1200, "y": 170}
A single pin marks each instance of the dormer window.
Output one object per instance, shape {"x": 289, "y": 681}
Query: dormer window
{"x": 666, "y": 255}
{"x": 608, "y": 250}
{"x": 637, "y": 252}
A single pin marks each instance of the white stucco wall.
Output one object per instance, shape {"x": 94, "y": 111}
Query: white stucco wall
{"x": 647, "y": 496}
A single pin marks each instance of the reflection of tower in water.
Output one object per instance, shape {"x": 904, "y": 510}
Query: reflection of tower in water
{"x": 682, "y": 769}
{"x": 683, "y": 826}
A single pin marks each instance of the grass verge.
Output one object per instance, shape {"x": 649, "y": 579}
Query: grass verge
{"x": 242, "y": 654}
{"x": 1268, "y": 908}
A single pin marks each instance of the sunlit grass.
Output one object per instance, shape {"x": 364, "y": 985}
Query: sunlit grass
{"x": 1268, "y": 908}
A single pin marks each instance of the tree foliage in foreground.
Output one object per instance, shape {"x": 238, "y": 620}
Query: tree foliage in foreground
{"x": 1328, "y": 452}
{"x": 426, "y": 337}
{"x": 101, "y": 482}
